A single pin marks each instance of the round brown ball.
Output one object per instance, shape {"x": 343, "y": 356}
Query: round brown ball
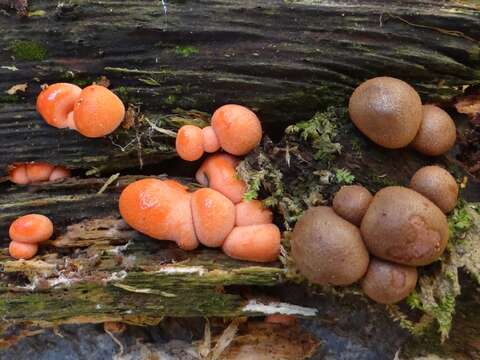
{"x": 388, "y": 283}
{"x": 405, "y": 227}
{"x": 328, "y": 249}
{"x": 351, "y": 203}
{"x": 386, "y": 110}
{"x": 437, "y": 133}
{"x": 437, "y": 185}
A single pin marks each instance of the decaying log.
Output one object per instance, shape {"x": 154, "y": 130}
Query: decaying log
{"x": 285, "y": 59}
{"x": 104, "y": 270}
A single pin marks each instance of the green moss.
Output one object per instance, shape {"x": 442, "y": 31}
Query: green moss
{"x": 171, "y": 99}
{"x": 121, "y": 91}
{"x": 186, "y": 51}
{"x": 344, "y": 176}
{"x": 9, "y": 99}
{"x": 260, "y": 173}
{"x": 28, "y": 50}
{"x": 459, "y": 222}
{"x": 254, "y": 184}
{"x": 356, "y": 147}
{"x": 320, "y": 131}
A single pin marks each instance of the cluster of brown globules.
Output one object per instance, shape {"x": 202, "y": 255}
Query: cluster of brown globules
{"x": 214, "y": 216}
{"x": 401, "y": 227}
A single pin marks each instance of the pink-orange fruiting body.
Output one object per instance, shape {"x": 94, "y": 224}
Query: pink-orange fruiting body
{"x": 237, "y": 128}
{"x": 31, "y": 229}
{"x": 159, "y": 209}
{"x": 19, "y": 250}
{"x": 252, "y": 213}
{"x": 218, "y": 172}
{"x": 259, "y": 243}
{"x": 55, "y": 104}
{"x": 210, "y": 140}
{"x": 189, "y": 143}
{"x": 26, "y": 173}
{"x": 213, "y": 216}
{"x": 97, "y": 112}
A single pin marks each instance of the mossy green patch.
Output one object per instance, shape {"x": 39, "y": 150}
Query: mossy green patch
{"x": 28, "y": 50}
{"x": 320, "y": 131}
{"x": 459, "y": 222}
{"x": 344, "y": 176}
{"x": 186, "y": 51}
{"x": 9, "y": 99}
{"x": 171, "y": 99}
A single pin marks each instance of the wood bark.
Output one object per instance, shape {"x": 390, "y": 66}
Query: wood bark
{"x": 285, "y": 59}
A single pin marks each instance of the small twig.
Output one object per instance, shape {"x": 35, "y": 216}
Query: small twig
{"x": 110, "y": 180}
{"x": 139, "y": 147}
{"x": 225, "y": 339}
{"x": 160, "y": 130}
{"x": 205, "y": 347}
{"x": 118, "y": 342}
{"x": 57, "y": 332}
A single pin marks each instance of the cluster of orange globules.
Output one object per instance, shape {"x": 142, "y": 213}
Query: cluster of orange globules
{"x": 94, "y": 112}
{"x": 215, "y": 216}
{"x": 26, "y": 233}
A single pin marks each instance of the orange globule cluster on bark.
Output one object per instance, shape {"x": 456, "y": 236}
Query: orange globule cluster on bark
{"x": 214, "y": 216}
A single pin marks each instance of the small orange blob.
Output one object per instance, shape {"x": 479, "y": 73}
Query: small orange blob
{"x": 237, "y": 128}
{"x": 159, "y": 209}
{"x": 59, "y": 173}
{"x": 20, "y": 250}
{"x": 259, "y": 243}
{"x": 252, "y": 213}
{"x": 218, "y": 172}
{"x": 213, "y": 216}
{"x": 17, "y": 173}
{"x": 31, "y": 229}
{"x": 37, "y": 172}
{"x": 97, "y": 112}
{"x": 210, "y": 140}
{"x": 56, "y": 102}
{"x": 189, "y": 143}
{"x": 26, "y": 173}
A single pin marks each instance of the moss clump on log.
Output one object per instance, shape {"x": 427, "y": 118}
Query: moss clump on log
{"x": 28, "y": 50}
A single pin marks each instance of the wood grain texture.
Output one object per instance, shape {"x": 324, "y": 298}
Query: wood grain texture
{"x": 286, "y": 59}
